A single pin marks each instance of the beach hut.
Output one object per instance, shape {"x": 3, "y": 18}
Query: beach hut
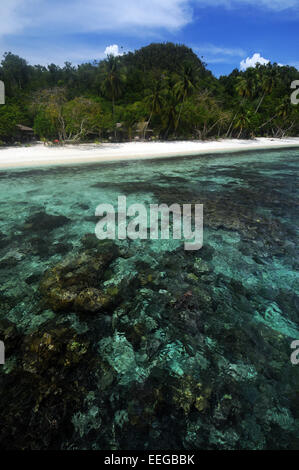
{"x": 142, "y": 131}
{"x": 24, "y": 133}
{"x": 119, "y": 132}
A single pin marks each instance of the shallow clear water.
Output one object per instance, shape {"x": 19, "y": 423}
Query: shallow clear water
{"x": 189, "y": 349}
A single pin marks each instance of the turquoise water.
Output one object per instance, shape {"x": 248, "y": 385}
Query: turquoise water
{"x": 140, "y": 344}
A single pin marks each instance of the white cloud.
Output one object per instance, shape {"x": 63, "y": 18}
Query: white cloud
{"x": 39, "y": 27}
{"x": 9, "y": 19}
{"x": 216, "y": 54}
{"x": 59, "y": 55}
{"x": 276, "y": 5}
{"x": 45, "y": 30}
{"x": 75, "y": 16}
{"x": 113, "y": 50}
{"x": 253, "y": 61}
{"x": 215, "y": 50}
{"x": 130, "y": 16}
{"x": 213, "y": 54}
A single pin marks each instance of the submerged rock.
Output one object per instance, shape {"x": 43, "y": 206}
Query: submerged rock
{"x": 43, "y": 221}
{"x": 92, "y": 300}
{"x": 190, "y": 350}
{"x": 4, "y": 241}
{"x": 74, "y": 283}
{"x": 49, "y": 374}
{"x": 201, "y": 267}
{"x": 187, "y": 393}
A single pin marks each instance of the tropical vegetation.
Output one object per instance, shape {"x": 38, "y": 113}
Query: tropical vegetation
{"x": 161, "y": 91}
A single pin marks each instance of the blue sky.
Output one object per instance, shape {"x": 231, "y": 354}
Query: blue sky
{"x": 224, "y": 32}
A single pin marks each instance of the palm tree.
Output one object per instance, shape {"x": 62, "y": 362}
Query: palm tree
{"x": 169, "y": 112}
{"x": 113, "y": 82}
{"x": 267, "y": 82}
{"x": 186, "y": 85}
{"x": 285, "y": 108}
{"x": 244, "y": 87}
{"x": 284, "y": 112}
{"x": 242, "y": 121}
{"x": 155, "y": 99}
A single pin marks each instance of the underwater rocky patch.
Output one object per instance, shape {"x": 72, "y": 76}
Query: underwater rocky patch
{"x": 172, "y": 361}
{"x": 142, "y": 345}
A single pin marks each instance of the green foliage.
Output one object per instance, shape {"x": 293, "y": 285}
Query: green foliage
{"x": 162, "y": 57}
{"x": 81, "y": 117}
{"x": 131, "y": 114}
{"x": 44, "y": 125}
{"x": 166, "y": 86}
{"x": 14, "y": 73}
{"x": 10, "y": 116}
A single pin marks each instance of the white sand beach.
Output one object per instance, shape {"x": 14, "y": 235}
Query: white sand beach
{"x": 39, "y": 155}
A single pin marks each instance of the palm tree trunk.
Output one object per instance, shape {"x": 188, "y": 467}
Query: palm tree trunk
{"x": 180, "y": 112}
{"x": 259, "y": 105}
{"x": 265, "y": 123}
{"x": 113, "y": 115}
{"x": 148, "y": 123}
{"x": 230, "y": 126}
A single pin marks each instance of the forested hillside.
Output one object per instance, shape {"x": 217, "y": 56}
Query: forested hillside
{"x": 161, "y": 91}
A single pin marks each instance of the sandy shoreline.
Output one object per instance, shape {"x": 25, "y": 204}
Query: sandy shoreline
{"x": 40, "y": 155}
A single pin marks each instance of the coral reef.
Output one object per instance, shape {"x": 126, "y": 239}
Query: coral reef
{"x": 142, "y": 345}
